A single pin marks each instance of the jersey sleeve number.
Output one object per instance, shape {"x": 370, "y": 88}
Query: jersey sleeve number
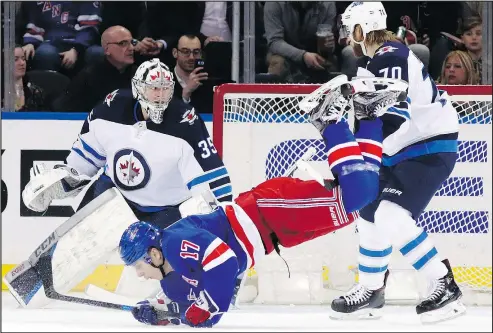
{"x": 207, "y": 147}
{"x": 186, "y": 246}
{"x": 395, "y": 72}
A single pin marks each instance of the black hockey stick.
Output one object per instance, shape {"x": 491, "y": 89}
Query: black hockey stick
{"x": 44, "y": 269}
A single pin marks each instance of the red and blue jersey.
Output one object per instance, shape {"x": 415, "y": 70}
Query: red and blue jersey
{"x": 207, "y": 253}
{"x": 69, "y": 22}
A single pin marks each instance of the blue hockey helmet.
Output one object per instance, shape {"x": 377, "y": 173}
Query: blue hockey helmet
{"x": 136, "y": 241}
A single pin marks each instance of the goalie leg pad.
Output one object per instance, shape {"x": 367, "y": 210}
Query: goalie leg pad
{"x": 83, "y": 242}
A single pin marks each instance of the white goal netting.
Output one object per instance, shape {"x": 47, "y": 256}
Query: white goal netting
{"x": 260, "y": 132}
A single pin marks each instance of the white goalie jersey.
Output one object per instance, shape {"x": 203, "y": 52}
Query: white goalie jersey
{"x": 153, "y": 165}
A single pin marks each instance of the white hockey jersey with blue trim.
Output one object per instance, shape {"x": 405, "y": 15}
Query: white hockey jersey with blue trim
{"x": 427, "y": 115}
{"x": 153, "y": 165}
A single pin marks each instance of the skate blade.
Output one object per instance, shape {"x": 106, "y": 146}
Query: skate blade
{"x": 363, "y": 314}
{"x": 448, "y": 312}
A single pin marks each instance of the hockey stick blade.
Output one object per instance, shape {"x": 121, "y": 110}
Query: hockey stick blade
{"x": 44, "y": 270}
{"x": 101, "y": 294}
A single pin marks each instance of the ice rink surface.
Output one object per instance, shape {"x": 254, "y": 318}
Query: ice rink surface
{"x": 68, "y": 317}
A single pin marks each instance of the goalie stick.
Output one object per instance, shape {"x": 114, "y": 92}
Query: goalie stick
{"x": 43, "y": 267}
{"x": 36, "y": 272}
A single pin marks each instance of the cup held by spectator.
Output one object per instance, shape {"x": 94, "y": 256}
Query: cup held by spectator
{"x": 325, "y": 40}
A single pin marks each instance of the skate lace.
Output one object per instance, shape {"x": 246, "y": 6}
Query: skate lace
{"x": 357, "y": 294}
{"x": 438, "y": 290}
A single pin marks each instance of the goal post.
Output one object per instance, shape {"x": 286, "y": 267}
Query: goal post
{"x": 259, "y": 132}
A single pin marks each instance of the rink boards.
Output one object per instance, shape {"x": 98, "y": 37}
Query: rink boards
{"x": 43, "y": 137}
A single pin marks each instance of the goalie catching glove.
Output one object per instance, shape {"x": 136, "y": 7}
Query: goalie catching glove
{"x": 47, "y": 185}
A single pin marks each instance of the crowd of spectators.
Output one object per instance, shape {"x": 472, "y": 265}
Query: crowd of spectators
{"x": 97, "y": 46}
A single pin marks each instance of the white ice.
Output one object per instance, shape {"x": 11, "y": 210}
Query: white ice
{"x": 69, "y": 317}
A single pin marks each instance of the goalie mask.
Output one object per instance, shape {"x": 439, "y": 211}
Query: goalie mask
{"x": 152, "y": 86}
{"x": 371, "y": 16}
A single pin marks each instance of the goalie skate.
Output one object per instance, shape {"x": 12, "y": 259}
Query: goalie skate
{"x": 373, "y": 96}
{"x": 328, "y": 104}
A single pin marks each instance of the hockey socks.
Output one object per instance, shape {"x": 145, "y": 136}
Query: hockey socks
{"x": 412, "y": 241}
{"x": 369, "y": 137}
{"x": 347, "y": 164}
{"x": 373, "y": 255}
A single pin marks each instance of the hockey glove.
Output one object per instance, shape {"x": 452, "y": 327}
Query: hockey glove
{"x": 46, "y": 185}
{"x": 145, "y": 312}
{"x": 201, "y": 310}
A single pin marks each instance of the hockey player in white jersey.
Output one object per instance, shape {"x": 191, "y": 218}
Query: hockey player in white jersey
{"x": 155, "y": 149}
{"x": 152, "y": 147}
{"x": 419, "y": 153}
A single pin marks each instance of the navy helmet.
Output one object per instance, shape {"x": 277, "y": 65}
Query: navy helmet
{"x": 136, "y": 241}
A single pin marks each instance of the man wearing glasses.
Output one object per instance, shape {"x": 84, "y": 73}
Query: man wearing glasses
{"x": 192, "y": 83}
{"x": 116, "y": 70}
{"x": 188, "y": 77}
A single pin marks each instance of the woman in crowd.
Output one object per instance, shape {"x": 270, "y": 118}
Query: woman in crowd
{"x": 28, "y": 97}
{"x": 458, "y": 68}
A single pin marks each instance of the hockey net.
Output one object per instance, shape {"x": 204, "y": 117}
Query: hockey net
{"x": 259, "y": 131}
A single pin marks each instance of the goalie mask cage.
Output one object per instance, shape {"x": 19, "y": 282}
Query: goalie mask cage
{"x": 259, "y": 131}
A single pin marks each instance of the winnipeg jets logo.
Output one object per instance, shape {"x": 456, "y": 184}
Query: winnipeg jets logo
{"x": 189, "y": 116}
{"x": 110, "y": 97}
{"x": 130, "y": 170}
{"x": 386, "y": 49}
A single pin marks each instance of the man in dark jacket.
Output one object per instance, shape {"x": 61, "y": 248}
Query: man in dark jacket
{"x": 93, "y": 83}
{"x": 193, "y": 85}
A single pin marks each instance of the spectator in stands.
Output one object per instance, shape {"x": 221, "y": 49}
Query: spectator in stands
{"x": 191, "y": 84}
{"x": 471, "y": 36}
{"x": 167, "y": 21}
{"x": 290, "y": 30}
{"x": 128, "y": 14}
{"x": 457, "y": 69}
{"x": 94, "y": 82}
{"x": 448, "y": 28}
{"x": 58, "y": 35}
{"x": 419, "y": 19}
{"x": 28, "y": 97}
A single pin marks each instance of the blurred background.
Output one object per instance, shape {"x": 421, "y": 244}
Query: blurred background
{"x": 67, "y": 56}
